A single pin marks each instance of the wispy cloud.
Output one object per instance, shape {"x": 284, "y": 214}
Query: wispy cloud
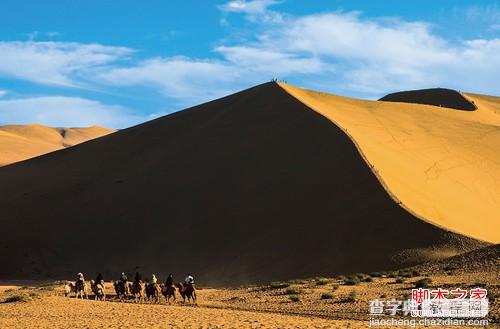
{"x": 337, "y": 51}
{"x": 248, "y": 7}
{"x": 32, "y": 36}
{"x": 487, "y": 15}
{"x": 373, "y": 56}
{"x": 254, "y": 10}
{"x": 490, "y": 12}
{"x": 60, "y": 111}
{"x": 55, "y": 63}
{"x": 342, "y": 49}
{"x": 188, "y": 81}
{"x": 183, "y": 79}
{"x": 3, "y": 92}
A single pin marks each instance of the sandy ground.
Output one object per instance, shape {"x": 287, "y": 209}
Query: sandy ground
{"x": 441, "y": 164}
{"x": 247, "y": 307}
{"x": 58, "y": 312}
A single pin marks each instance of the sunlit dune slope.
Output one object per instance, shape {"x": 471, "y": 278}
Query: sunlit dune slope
{"x": 23, "y": 142}
{"x": 442, "y": 164}
{"x": 252, "y": 187}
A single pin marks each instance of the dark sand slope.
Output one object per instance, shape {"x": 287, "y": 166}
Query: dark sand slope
{"x": 434, "y": 96}
{"x": 251, "y": 187}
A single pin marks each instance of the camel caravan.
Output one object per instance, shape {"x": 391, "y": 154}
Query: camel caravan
{"x": 138, "y": 290}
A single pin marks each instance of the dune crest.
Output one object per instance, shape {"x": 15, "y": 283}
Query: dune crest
{"x": 21, "y": 142}
{"x": 441, "y": 164}
{"x": 441, "y": 97}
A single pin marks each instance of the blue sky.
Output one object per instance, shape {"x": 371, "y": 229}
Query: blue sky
{"x": 119, "y": 63}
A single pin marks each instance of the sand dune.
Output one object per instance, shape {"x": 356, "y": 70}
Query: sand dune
{"x": 442, "y": 164}
{"x": 19, "y": 143}
{"x": 435, "y": 96}
{"x": 252, "y": 187}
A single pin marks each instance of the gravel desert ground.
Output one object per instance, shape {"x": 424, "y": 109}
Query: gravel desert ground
{"x": 312, "y": 303}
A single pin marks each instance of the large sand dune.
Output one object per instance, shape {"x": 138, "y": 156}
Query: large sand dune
{"x": 441, "y": 97}
{"x": 440, "y": 163}
{"x": 252, "y": 187}
{"x": 19, "y": 143}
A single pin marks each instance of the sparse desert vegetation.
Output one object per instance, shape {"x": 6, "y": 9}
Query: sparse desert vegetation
{"x": 334, "y": 303}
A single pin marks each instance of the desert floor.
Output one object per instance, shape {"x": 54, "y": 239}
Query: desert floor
{"x": 314, "y": 303}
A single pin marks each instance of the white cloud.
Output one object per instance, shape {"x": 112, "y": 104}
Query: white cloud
{"x": 36, "y": 34}
{"x": 180, "y": 78}
{"x": 193, "y": 80}
{"x": 255, "y": 10}
{"x": 248, "y": 7}
{"x": 61, "y": 111}
{"x": 337, "y": 51}
{"x": 345, "y": 52}
{"x": 55, "y": 63}
{"x": 371, "y": 56}
{"x": 250, "y": 58}
{"x": 3, "y": 92}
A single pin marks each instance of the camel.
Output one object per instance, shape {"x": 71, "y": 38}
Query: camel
{"x": 98, "y": 289}
{"x": 168, "y": 292}
{"x": 122, "y": 289}
{"x": 81, "y": 289}
{"x": 69, "y": 287}
{"x": 138, "y": 291}
{"x": 187, "y": 291}
{"x": 153, "y": 291}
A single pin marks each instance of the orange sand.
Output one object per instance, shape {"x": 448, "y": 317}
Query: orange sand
{"x": 441, "y": 164}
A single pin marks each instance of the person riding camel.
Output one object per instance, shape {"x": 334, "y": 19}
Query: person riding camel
{"x": 99, "y": 279}
{"x": 80, "y": 280}
{"x": 188, "y": 281}
{"x": 154, "y": 280}
{"x": 123, "y": 278}
{"x": 79, "y": 277}
{"x": 138, "y": 278}
{"x": 170, "y": 280}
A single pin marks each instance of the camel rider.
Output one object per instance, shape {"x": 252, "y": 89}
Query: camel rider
{"x": 138, "y": 278}
{"x": 79, "y": 277}
{"x": 123, "y": 278}
{"x": 99, "y": 279}
{"x": 154, "y": 280}
{"x": 188, "y": 280}
{"x": 170, "y": 280}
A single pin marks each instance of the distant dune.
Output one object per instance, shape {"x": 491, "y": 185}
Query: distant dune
{"x": 252, "y": 187}
{"x": 440, "y": 163}
{"x": 435, "y": 96}
{"x": 19, "y": 142}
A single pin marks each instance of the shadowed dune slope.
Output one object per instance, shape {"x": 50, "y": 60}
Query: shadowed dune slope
{"x": 248, "y": 188}
{"x": 19, "y": 142}
{"x": 440, "y": 163}
{"x": 435, "y": 96}
{"x": 485, "y": 259}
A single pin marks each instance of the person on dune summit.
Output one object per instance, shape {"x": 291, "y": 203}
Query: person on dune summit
{"x": 153, "y": 279}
